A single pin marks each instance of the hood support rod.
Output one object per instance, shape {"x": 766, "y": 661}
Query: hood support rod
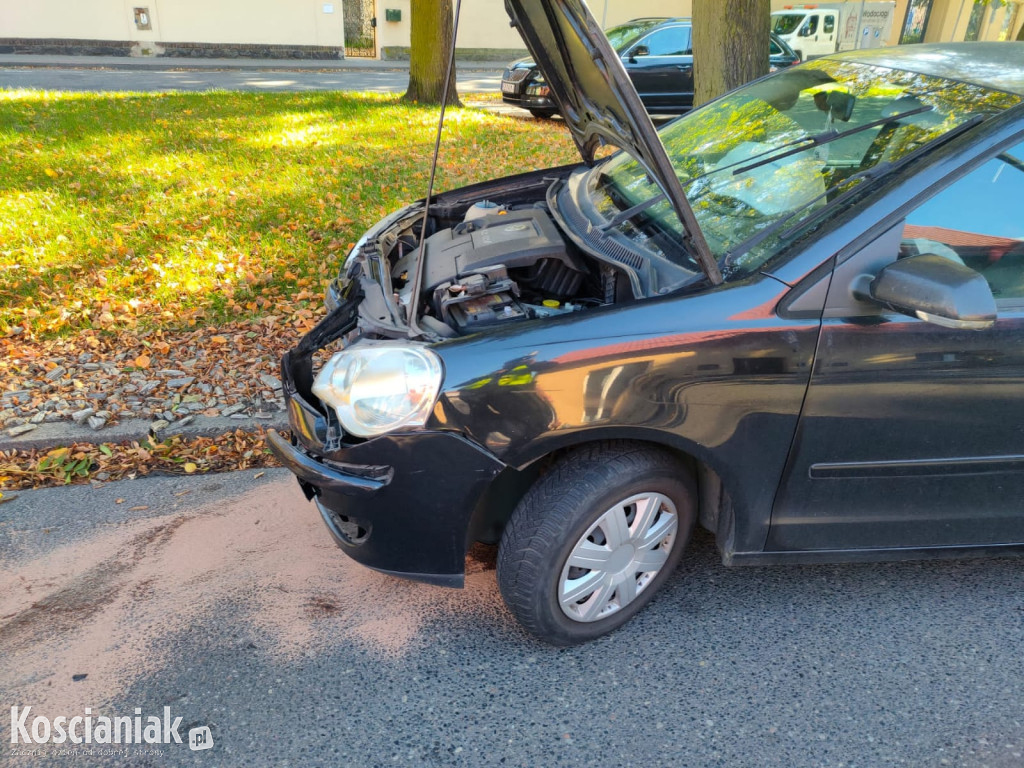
{"x": 414, "y": 301}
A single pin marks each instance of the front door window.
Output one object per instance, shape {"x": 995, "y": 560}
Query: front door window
{"x": 976, "y": 221}
{"x": 674, "y": 41}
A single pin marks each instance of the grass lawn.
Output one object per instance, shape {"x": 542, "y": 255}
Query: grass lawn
{"x": 145, "y": 233}
{"x": 123, "y": 212}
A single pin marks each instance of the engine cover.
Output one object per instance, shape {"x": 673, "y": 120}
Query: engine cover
{"x": 512, "y": 239}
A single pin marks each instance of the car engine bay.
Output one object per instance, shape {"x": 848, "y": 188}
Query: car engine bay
{"x": 487, "y": 262}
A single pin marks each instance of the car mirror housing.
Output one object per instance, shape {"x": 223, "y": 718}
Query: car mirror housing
{"x": 640, "y": 50}
{"x": 838, "y": 103}
{"x": 935, "y": 289}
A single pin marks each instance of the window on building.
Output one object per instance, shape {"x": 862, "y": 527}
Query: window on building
{"x": 974, "y": 22}
{"x": 916, "y": 21}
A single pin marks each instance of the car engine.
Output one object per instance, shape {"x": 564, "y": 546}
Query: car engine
{"x": 507, "y": 265}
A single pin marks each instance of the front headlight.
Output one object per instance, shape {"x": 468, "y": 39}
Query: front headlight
{"x": 377, "y": 387}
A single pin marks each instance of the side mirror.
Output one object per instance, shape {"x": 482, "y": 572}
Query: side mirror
{"x": 640, "y": 50}
{"x": 805, "y": 31}
{"x": 937, "y": 290}
{"x": 838, "y": 103}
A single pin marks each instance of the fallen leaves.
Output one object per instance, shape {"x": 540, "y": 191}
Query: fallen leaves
{"x": 143, "y": 215}
{"x": 84, "y": 462}
{"x": 158, "y": 252}
{"x": 61, "y": 379}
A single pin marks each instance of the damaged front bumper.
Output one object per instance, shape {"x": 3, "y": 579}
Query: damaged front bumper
{"x": 399, "y": 503}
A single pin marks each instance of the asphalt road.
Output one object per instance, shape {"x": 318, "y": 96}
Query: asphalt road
{"x": 222, "y": 598}
{"x": 392, "y": 81}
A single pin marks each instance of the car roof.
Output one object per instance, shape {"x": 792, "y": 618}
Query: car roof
{"x": 685, "y": 20}
{"x": 999, "y": 66}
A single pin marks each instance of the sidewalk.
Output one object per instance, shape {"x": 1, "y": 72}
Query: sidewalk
{"x": 15, "y": 61}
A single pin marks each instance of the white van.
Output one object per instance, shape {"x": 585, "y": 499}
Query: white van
{"x": 819, "y": 29}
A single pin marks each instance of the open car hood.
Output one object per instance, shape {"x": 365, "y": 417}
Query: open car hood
{"x": 598, "y": 101}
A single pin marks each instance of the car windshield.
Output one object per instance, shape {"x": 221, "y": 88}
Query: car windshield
{"x": 778, "y": 151}
{"x": 786, "y": 23}
{"x": 621, "y": 36}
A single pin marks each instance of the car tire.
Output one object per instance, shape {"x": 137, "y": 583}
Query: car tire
{"x": 617, "y": 506}
{"x": 542, "y": 114}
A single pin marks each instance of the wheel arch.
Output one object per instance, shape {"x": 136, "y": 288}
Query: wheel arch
{"x": 714, "y": 510}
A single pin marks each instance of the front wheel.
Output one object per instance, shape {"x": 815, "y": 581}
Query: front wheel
{"x": 542, "y": 114}
{"x": 593, "y": 540}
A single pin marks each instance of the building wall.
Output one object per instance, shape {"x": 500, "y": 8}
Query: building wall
{"x": 84, "y": 19}
{"x": 273, "y": 22}
{"x": 483, "y": 24}
{"x": 949, "y": 20}
{"x": 483, "y": 27}
{"x": 288, "y": 22}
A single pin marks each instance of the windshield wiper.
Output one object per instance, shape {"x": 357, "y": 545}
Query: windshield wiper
{"x": 1011, "y": 161}
{"x": 629, "y": 213}
{"x": 875, "y": 172}
{"x": 818, "y": 140}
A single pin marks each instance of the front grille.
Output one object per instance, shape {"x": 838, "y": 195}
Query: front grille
{"x": 515, "y": 75}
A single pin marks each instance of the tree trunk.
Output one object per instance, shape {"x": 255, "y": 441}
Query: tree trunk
{"x": 730, "y": 45}
{"x": 432, "y": 36}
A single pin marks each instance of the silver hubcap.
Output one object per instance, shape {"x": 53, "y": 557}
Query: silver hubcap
{"x": 618, "y": 557}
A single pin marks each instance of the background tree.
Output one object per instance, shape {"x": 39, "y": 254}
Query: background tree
{"x": 432, "y": 35}
{"x": 730, "y": 45}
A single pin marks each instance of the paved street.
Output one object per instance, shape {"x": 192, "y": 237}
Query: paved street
{"x": 222, "y": 598}
{"x": 241, "y": 78}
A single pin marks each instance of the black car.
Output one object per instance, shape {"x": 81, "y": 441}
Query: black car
{"x": 794, "y": 316}
{"x": 658, "y": 56}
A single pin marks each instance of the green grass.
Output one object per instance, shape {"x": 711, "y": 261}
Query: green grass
{"x": 164, "y": 210}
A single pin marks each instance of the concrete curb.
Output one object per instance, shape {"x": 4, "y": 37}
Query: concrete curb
{"x": 47, "y": 436}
